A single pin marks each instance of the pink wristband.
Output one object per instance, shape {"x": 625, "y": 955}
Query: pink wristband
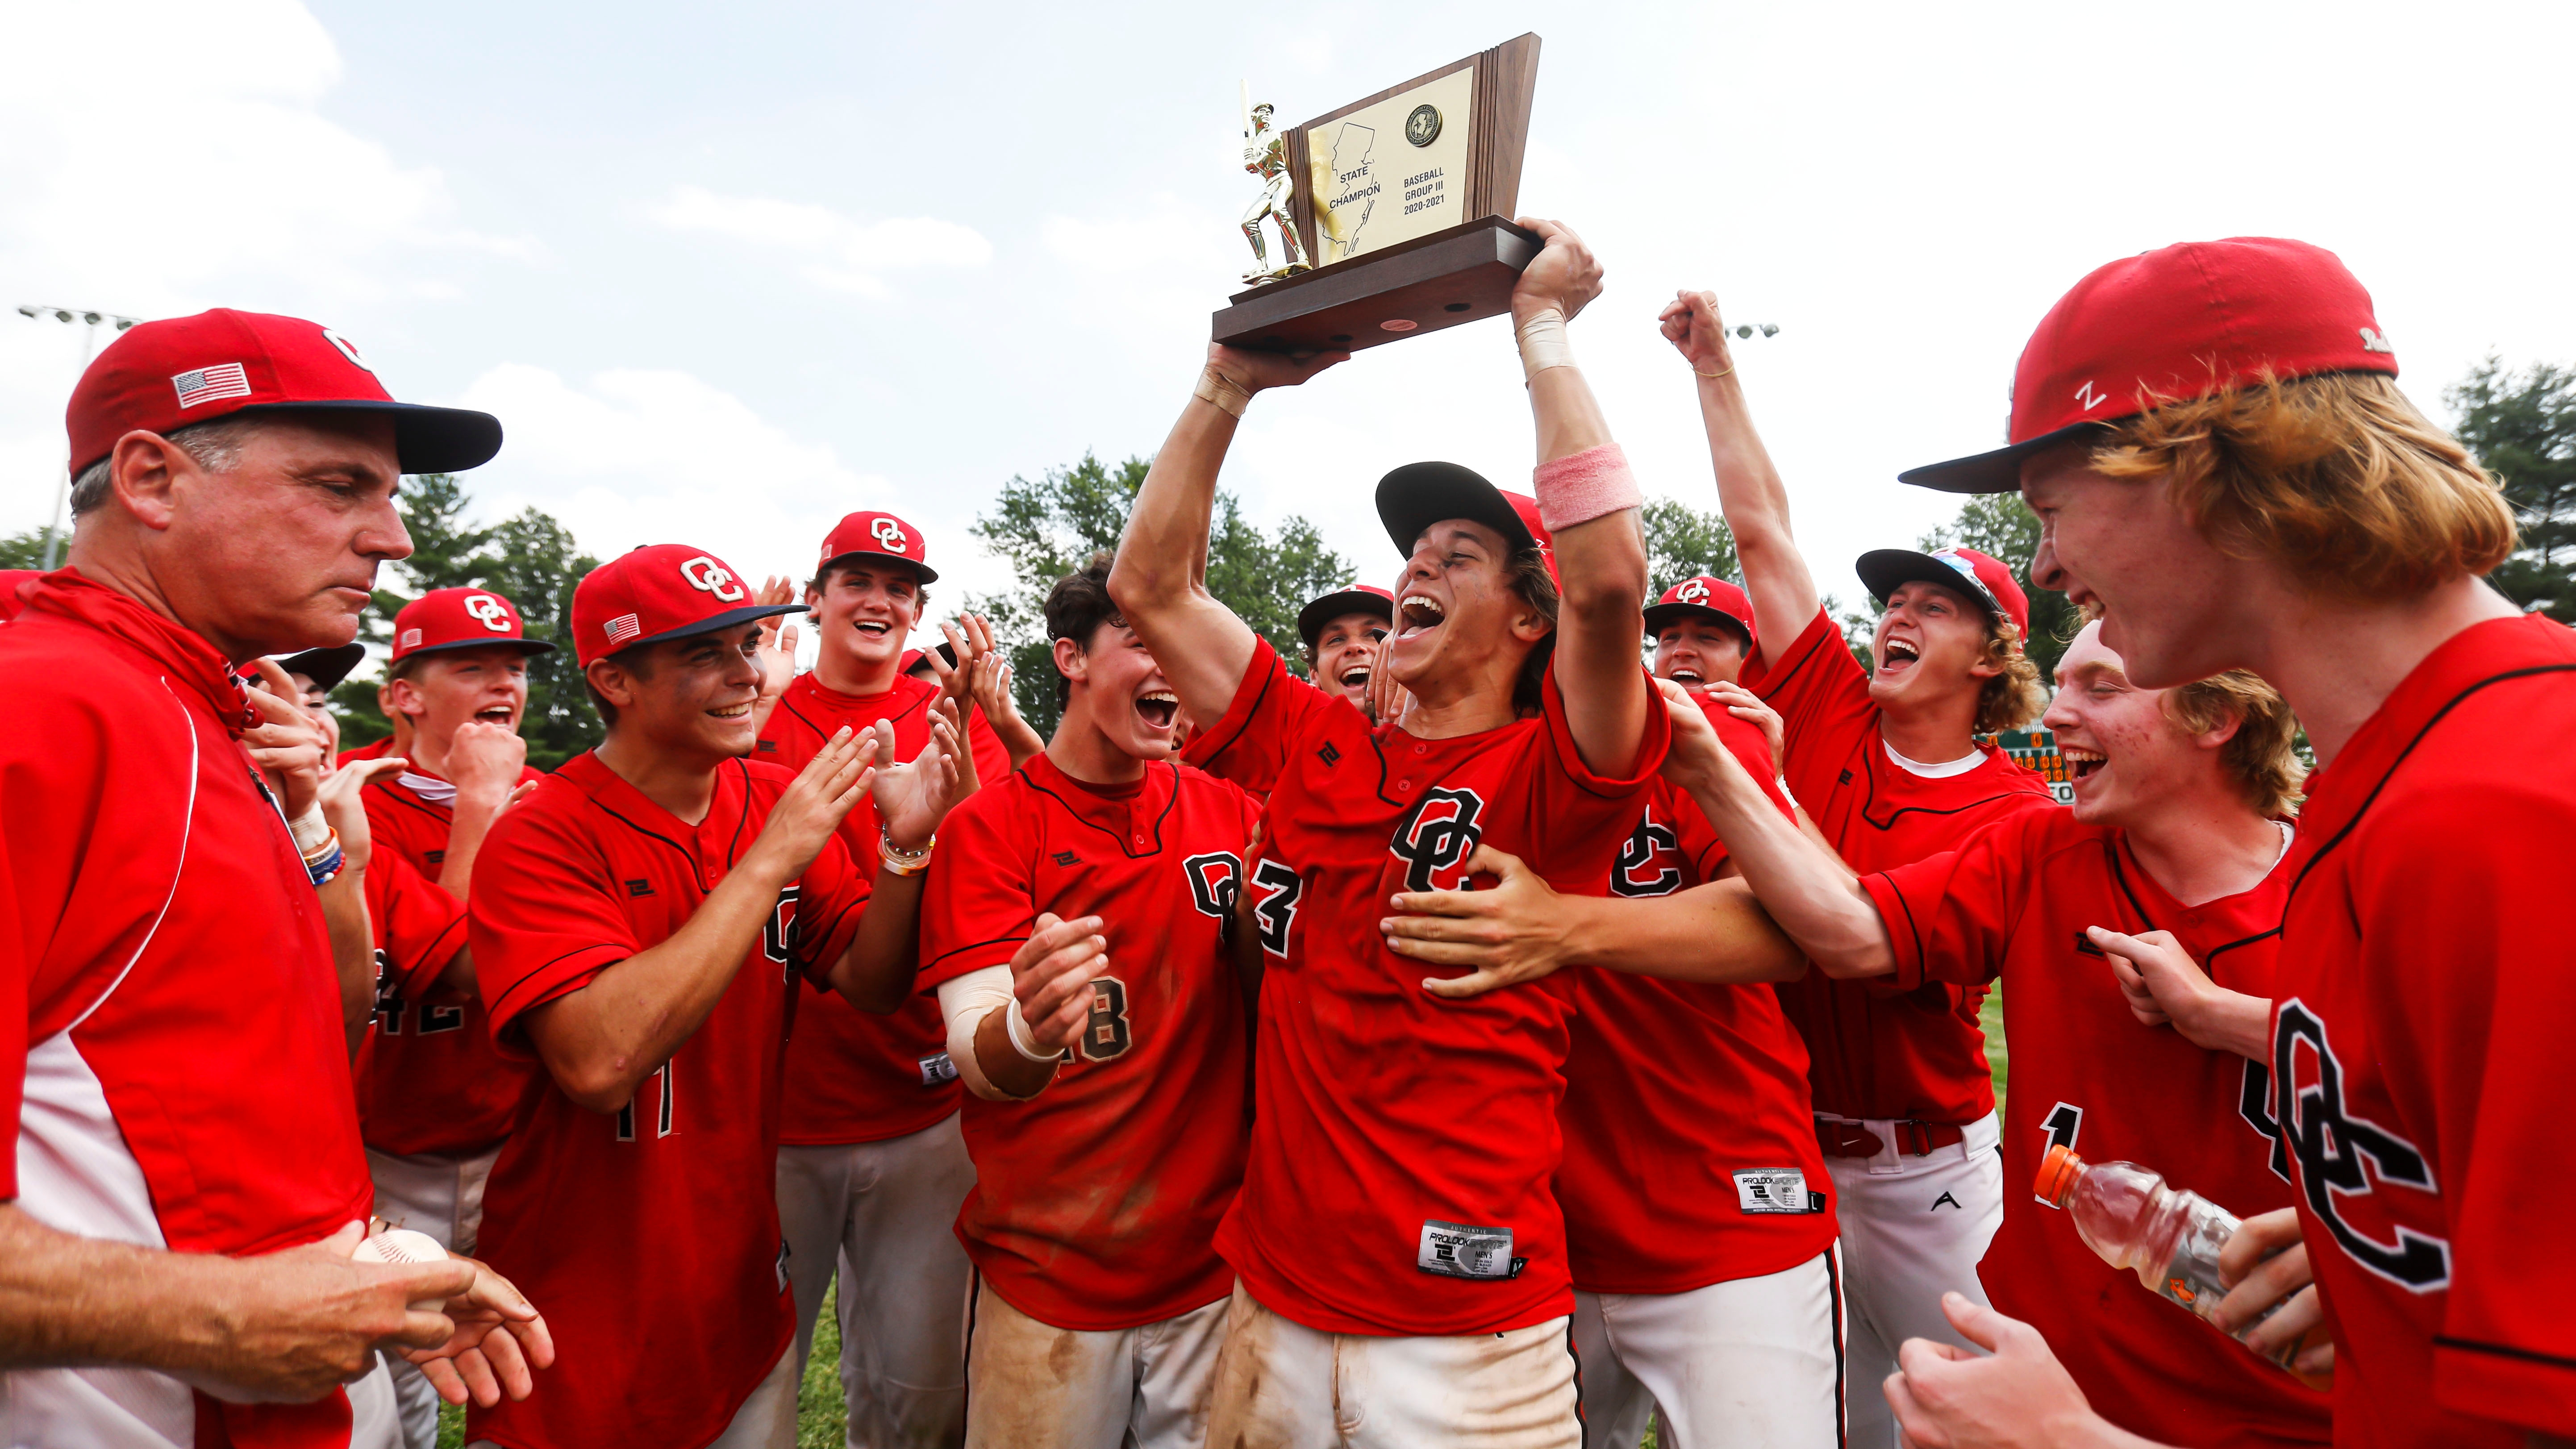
{"x": 1583, "y": 486}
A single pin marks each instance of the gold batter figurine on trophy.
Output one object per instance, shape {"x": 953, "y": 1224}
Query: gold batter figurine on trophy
{"x": 1265, "y": 154}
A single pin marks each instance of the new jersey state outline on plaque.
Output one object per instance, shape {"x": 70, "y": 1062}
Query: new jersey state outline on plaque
{"x": 1378, "y": 181}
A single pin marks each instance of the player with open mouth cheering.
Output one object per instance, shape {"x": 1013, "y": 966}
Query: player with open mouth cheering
{"x": 1399, "y": 1257}
{"x": 1888, "y": 764}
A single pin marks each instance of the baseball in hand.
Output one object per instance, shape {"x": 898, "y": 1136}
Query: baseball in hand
{"x": 400, "y": 1245}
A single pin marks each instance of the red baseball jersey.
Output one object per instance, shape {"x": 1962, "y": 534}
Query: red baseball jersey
{"x": 1095, "y": 1206}
{"x": 851, "y": 1076}
{"x": 1690, "y": 1149}
{"x": 2013, "y": 903}
{"x": 13, "y": 583}
{"x": 374, "y": 751}
{"x": 419, "y": 928}
{"x": 431, "y": 1080}
{"x": 181, "y": 1064}
{"x": 2418, "y": 1063}
{"x": 650, "y": 1234}
{"x": 1875, "y": 1052}
{"x": 1400, "y": 1175}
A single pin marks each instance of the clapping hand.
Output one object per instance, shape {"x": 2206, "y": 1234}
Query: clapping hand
{"x": 817, "y": 801}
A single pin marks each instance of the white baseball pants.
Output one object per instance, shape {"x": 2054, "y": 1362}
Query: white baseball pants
{"x": 1912, "y": 1229}
{"x": 443, "y": 1197}
{"x": 1030, "y": 1385}
{"x": 1282, "y": 1385}
{"x": 1753, "y": 1363}
{"x": 884, "y": 1215}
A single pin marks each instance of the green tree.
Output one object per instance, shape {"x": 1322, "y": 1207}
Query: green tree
{"x": 531, "y": 559}
{"x": 23, "y": 550}
{"x": 1681, "y": 542}
{"x": 1049, "y": 528}
{"x": 2001, "y": 526}
{"x": 2522, "y": 427}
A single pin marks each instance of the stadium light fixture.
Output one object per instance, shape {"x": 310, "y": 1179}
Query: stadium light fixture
{"x": 34, "y": 312}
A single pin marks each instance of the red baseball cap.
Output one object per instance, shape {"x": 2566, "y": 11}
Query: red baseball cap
{"x": 1702, "y": 595}
{"x": 163, "y": 376}
{"x": 445, "y": 619}
{"x": 660, "y": 591}
{"x": 1356, "y": 599}
{"x": 1982, "y": 577}
{"x": 2172, "y": 324}
{"x": 1418, "y": 495}
{"x": 876, "y": 535}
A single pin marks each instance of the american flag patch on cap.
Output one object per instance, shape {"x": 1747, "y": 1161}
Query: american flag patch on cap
{"x": 410, "y": 639}
{"x": 208, "y": 384}
{"x": 622, "y": 628}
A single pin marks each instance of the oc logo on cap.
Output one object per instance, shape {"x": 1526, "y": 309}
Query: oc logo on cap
{"x": 705, "y": 573}
{"x": 488, "y": 611}
{"x": 1692, "y": 592}
{"x": 891, "y": 534}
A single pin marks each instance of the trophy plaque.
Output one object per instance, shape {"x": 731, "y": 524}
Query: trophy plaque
{"x": 1403, "y": 202}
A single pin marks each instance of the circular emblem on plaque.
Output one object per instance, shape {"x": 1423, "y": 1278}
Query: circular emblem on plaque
{"x": 1423, "y": 126}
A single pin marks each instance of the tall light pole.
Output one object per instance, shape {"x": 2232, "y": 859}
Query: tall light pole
{"x": 37, "y": 312}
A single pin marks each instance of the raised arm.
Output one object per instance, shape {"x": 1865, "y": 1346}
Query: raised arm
{"x": 1160, "y": 578}
{"x": 1804, "y": 886}
{"x": 1589, "y": 500}
{"x": 1749, "y": 490}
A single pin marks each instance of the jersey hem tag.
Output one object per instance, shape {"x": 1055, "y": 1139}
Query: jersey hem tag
{"x": 1461, "y": 1250}
{"x": 1763, "y": 1190}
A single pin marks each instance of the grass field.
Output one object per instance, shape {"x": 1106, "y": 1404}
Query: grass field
{"x": 819, "y": 1415}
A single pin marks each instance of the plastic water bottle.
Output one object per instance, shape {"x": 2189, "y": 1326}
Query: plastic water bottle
{"x": 2170, "y": 1238}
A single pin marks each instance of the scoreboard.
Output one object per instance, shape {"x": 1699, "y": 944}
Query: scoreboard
{"x": 2038, "y": 750}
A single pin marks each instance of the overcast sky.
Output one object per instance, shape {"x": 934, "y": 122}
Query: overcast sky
{"x": 728, "y": 272}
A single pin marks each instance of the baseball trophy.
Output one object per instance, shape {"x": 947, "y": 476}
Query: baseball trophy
{"x": 1394, "y": 212}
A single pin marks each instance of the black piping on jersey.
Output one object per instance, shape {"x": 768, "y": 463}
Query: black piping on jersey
{"x": 2120, "y": 874}
{"x": 1842, "y": 1330}
{"x": 1787, "y": 669}
{"x": 1869, "y": 798}
{"x": 2504, "y": 1350}
{"x": 2439, "y": 715}
{"x": 410, "y": 801}
{"x": 1912, "y": 929}
{"x": 495, "y": 1005}
{"x": 1251, "y": 712}
{"x": 789, "y": 706}
{"x": 1123, "y": 847}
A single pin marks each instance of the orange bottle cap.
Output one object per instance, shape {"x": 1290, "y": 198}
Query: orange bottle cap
{"x": 2058, "y": 1174}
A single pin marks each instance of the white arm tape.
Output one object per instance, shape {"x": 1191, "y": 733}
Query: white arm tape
{"x": 963, "y": 1004}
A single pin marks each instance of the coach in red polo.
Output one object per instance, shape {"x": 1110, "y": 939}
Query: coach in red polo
{"x": 185, "y": 1184}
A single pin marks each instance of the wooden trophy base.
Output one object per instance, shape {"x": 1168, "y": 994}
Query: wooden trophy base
{"x": 1458, "y": 275}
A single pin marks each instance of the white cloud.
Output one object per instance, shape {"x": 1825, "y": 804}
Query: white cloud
{"x": 160, "y": 158}
{"x": 652, "y": 456}
{"x": 844, "y": 255}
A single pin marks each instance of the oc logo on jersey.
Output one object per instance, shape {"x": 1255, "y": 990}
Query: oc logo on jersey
{"x": 1647, "y": 858}
{"x": 488, "y": 611}
{"x": 2330, "y": 1143}
{"x": 1216, "y": 881}
{"x": 891, "y": 534}
{"x": 705, "y": 573}
{"x": 778, "y": 934}
{"x": 1440, "y": 834}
